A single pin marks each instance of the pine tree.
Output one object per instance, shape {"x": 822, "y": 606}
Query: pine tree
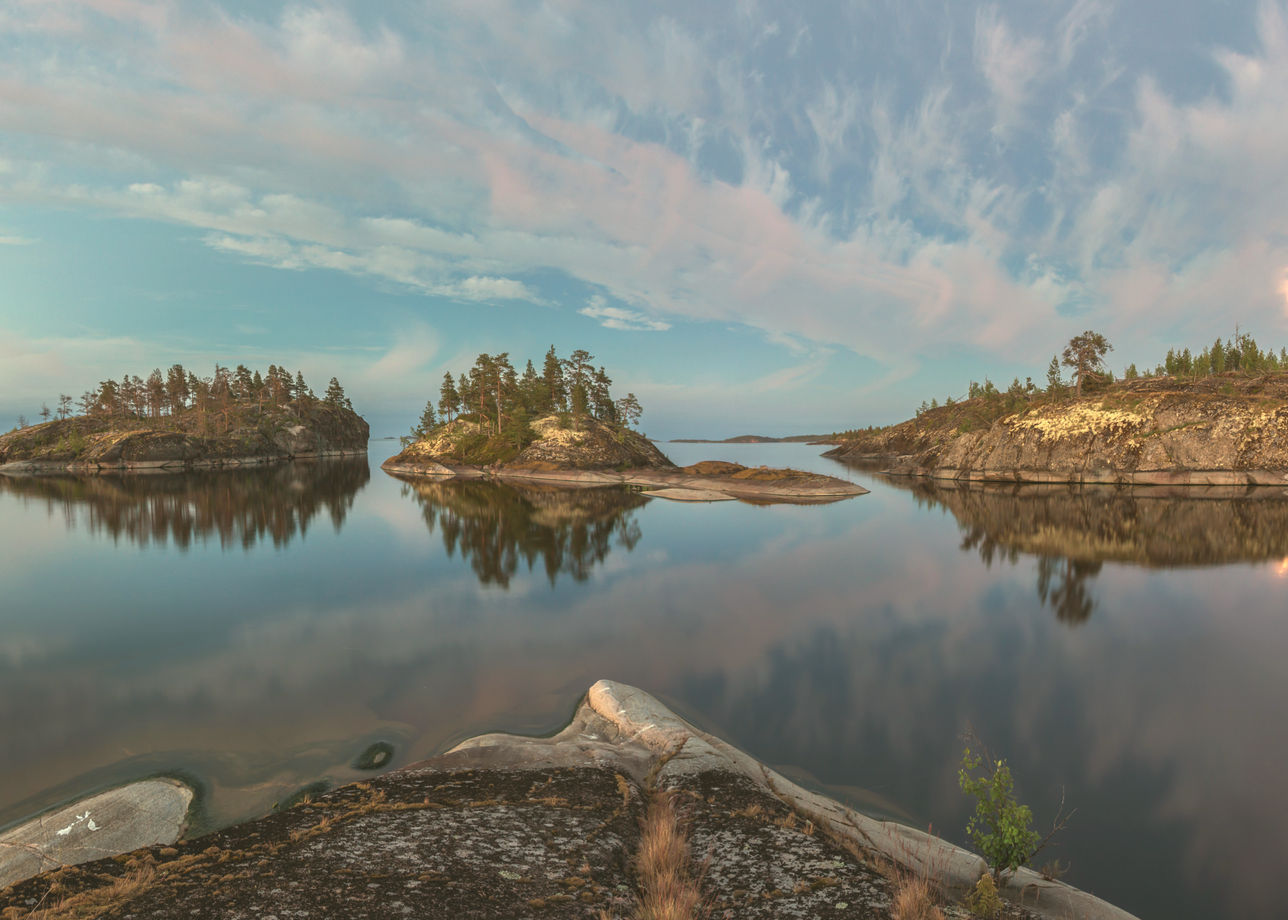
{"x": 156, "y": 393}
{"x": 177, "y": 389}
{"x": 601, "y": 402}
{"x": 427, "y": 421}
{"x": 335, "y": 395}
{"x": 1085, "y": 354}
{"x": 531, "y": 389}
{"x": 556, "y": 392}
{"x": 1055, "y": 386}
{"x": 629, "y": 410}
{"x": 449, "y": 400}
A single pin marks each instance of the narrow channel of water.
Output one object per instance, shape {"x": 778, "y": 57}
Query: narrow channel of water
{"x": 256, "y": 631}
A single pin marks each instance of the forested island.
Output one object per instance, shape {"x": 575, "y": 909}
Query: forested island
{"x": 563, "y": 425}
{"x": 1215, "y": 416}
{"x": 178, "y": 421}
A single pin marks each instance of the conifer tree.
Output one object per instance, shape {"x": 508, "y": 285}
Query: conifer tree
{"x": 449, "y": 400}
{"x": 629, "y": 410}
{"x": 1085, "y": 354}
{"x": 427, "y": 421}
{"x": 335, "y": 394}
{"x": 556, "y": 392}
{"x": 1055, "y": 386}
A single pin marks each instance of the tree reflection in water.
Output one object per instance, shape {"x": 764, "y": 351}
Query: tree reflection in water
{"x": 494, "y": 525}
{"x": 1074, "y": 530}
{"x": 241, "y": 507}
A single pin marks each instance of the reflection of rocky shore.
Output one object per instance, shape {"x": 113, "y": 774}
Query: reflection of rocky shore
{"x": 1145, "y": 526}
{"x": 1074, "y": 530}
{"x": 570, "y": 530}
{"x": 241, "y": 507}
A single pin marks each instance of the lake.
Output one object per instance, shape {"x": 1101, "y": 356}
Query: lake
{"x": 254, "y": 632}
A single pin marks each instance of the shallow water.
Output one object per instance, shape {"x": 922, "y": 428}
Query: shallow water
{"x": 256, "y": 631}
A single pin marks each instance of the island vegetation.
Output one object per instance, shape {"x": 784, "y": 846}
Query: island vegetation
{"x": 563, "y": 425}
{"x": 485, "y": 415}
{"x": 176, "y": 420}
{"x": 1214, "y": 415}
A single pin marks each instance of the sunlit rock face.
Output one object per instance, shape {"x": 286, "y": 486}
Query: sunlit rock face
{"x": 1211, "y": 431}
{"x": 586, "y": 445}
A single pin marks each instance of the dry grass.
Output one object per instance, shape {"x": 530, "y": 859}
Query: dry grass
{"x": 669, "y": 890}
{"x": 913, "y": 898}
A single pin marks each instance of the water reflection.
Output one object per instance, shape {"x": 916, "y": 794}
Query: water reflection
{"x": 1074, "y": 530}
{"x": 494, "y": 526}
{"x": 240, "y": 507}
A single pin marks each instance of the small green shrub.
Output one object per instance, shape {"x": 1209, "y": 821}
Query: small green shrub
{"x": 1001, "y": 827}
{"x": 983, "y": 900}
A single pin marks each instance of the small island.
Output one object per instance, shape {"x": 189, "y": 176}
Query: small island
{"x": 563, "y": 426}
{"x": 1215, "y": 417}
{"x": 177, "y": 421}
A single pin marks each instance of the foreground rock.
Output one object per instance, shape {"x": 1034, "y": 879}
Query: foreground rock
{"x": 117, "y": 821}
{"x": 600, "y": 455}
{"x": 512, "y": 827}
{"x": 1228, "y": 430}
{"x": 246, "y": 436}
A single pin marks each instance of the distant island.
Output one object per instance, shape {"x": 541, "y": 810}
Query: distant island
{"x": 563, "y": 426}
{"x": 762, "y": 439}
{"x": 178, "y": 421}
{"x": 1215, "y": 417}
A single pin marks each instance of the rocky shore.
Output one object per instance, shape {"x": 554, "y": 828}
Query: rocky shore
{"x": 1229, "y": 430}
{"x": 247, "y": 437}
{"x": 506, "y": 826}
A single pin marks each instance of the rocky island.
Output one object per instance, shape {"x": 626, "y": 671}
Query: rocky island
{"x": 563, "y": 427}
{"x": 1228, "y": 429}
{"x": 177, "y": 421}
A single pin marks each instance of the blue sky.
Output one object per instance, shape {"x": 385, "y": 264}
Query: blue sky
{"x": 760, "y": 216}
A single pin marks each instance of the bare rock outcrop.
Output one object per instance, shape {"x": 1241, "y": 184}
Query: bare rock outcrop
{"x": 1216, "y": 431}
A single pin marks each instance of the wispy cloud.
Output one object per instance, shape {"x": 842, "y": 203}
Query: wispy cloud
{"x": 621, "y": 318}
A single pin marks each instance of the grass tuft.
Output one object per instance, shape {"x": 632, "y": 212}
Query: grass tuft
{"x": 669, "y": 889}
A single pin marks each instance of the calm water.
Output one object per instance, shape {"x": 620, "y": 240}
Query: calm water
{"x": 256, "y": 631}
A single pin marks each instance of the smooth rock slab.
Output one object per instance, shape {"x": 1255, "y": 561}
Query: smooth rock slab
{"x": 117, "y": 821}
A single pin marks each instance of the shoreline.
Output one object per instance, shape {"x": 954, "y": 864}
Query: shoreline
{"x": 75, "y": 468}
{"x": 905, "y": 466}
{"x": 502, "y": 825}
{"x": 675, "y": 485}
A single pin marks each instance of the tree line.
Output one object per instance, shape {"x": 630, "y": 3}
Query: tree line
{"x": 1085, "y": 354}
{"x": 500, "y": 400}
{"x": 178, "y": 391}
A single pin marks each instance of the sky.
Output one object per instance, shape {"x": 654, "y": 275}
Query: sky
{"x": 759, "y": 217}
